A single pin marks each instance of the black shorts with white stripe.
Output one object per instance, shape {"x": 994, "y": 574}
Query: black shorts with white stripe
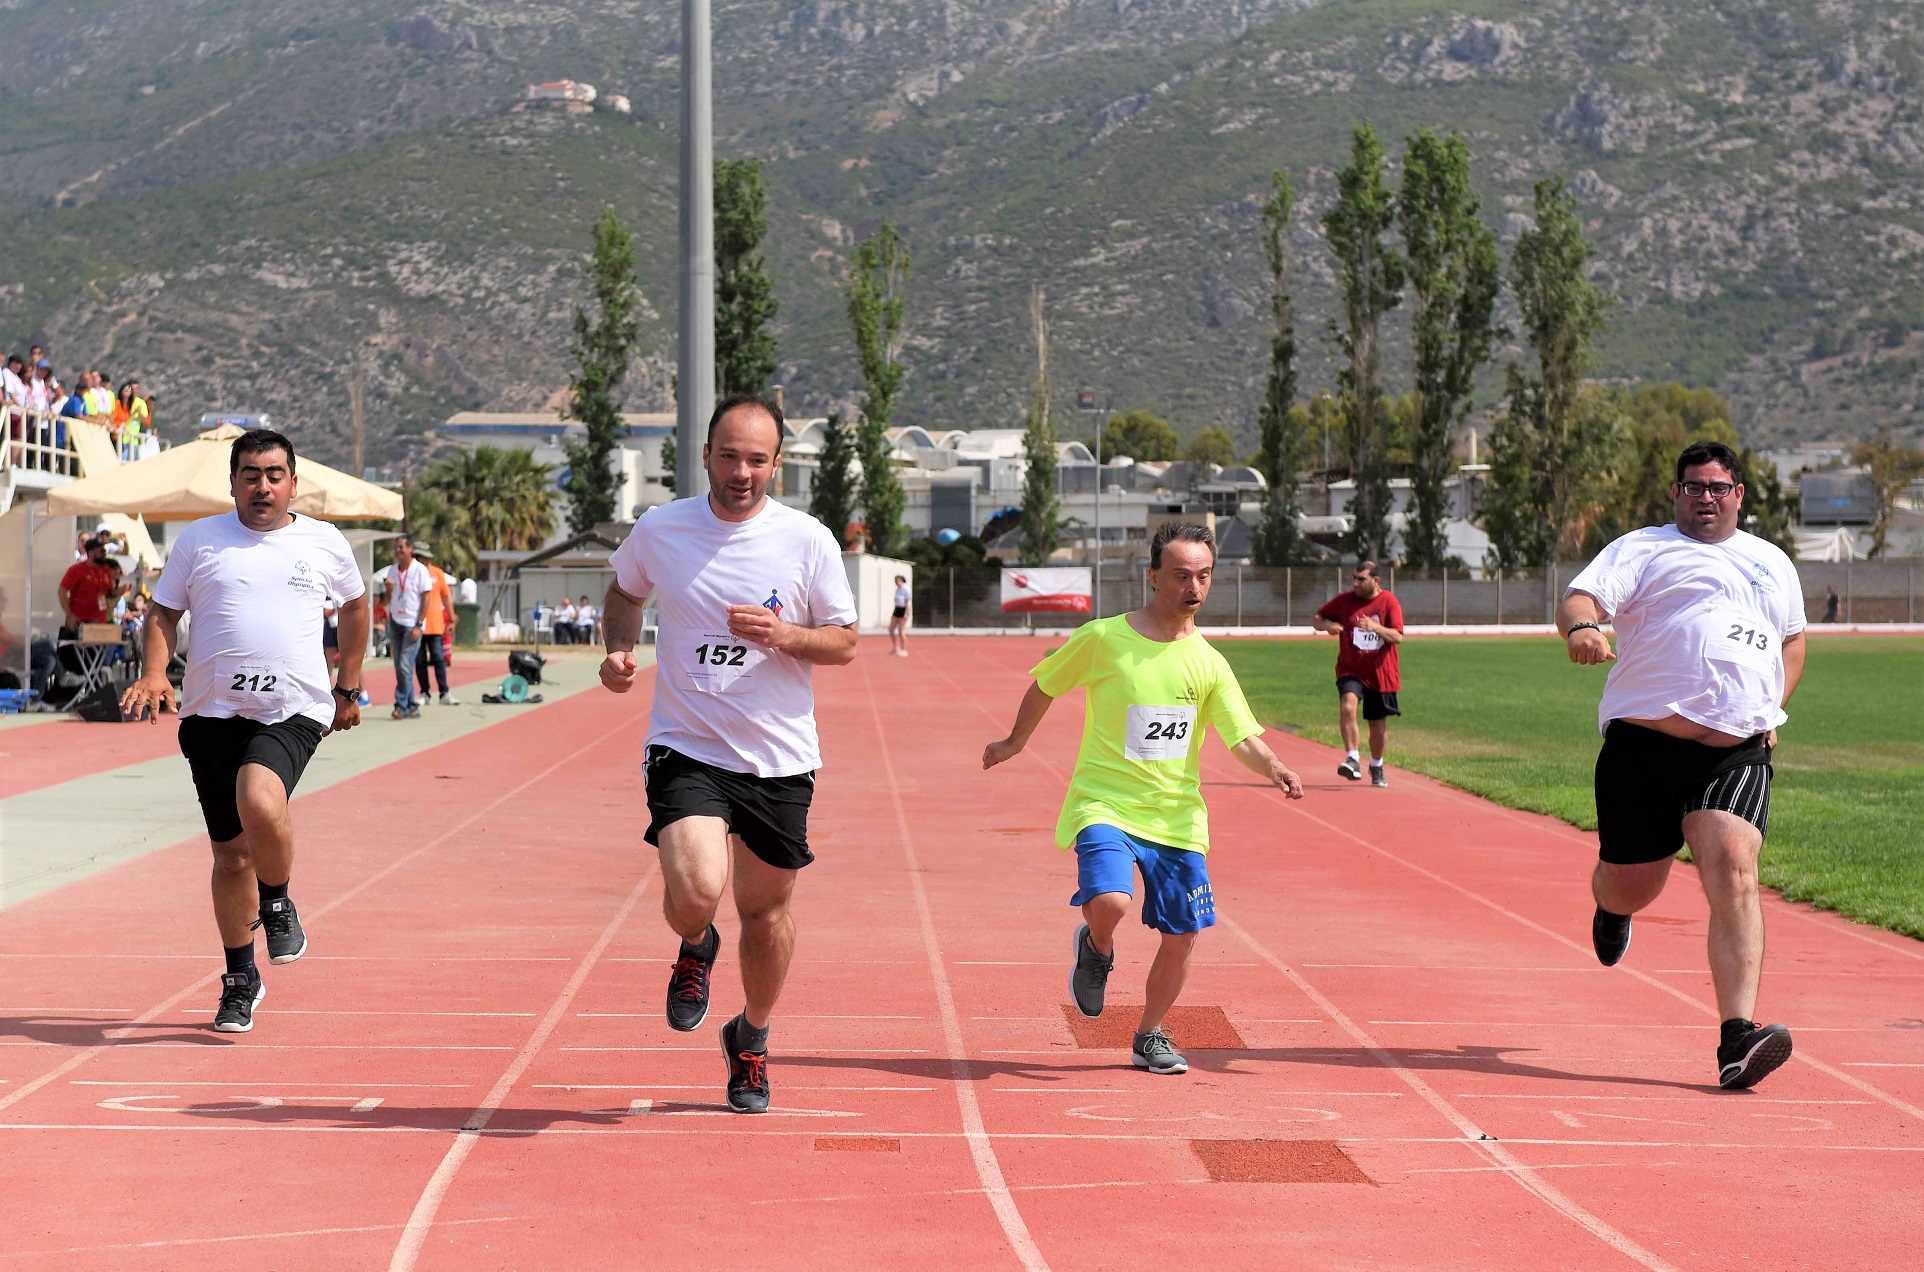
{"x": 1647, "y": 782}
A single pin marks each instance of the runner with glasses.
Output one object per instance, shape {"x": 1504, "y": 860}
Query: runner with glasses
{"x": 1710, "y": 645}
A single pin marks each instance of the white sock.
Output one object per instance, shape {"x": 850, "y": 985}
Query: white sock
{"x": 1353, "y": 756}
{"x": 1376, "y": 761}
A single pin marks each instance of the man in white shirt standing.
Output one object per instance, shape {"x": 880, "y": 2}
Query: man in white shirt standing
{"x": 751, "y": 596}
{"x": 1710, "y": 646}
{"x": 257, "y": 698}
{"x": 404, "y": 587}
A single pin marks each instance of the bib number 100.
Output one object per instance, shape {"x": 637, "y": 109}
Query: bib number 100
{"x": 721, "y": 655}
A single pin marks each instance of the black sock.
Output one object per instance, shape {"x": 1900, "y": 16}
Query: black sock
{"x": 710, "y": 946}
{"x": 1735, "y": 1029}
{"x": 272, "y": 891}
{"x": 749, "y": 1038}
{"x": 240, "y": 958}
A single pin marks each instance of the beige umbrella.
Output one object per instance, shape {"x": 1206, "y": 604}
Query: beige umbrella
{"x": 190, "y": 481}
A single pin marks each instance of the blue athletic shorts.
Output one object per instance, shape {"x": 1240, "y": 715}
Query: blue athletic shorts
{"x": 1175, "y": 881}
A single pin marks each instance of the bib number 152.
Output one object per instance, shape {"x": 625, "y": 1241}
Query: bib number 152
{"x": 721, "y": 655}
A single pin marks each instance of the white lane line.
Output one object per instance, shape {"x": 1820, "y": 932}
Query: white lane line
{"x": 1849, "y": 1080}
{"x": 1479, "y": 1170}
{"x": 644, "y": 1015}
{"x": 981, "y": 1149}
{"x": 175, "y": 1242}
{"x": 425, "y": 1208}
{"x": 114, "y": 1037}
{"x": 83, "y": 1011}
{"x": 1881, "y": 1064}
{"x": 797, "y": 1051}
{"x": 1447, "y": 967}
{"x": 1691, "y": 1099}
{"x": 1600, "y": 1024}
{"x": 357, "y": 1086}
{"x": 971, "y": 1192}
{"x": 1472, "y": 1134}
{"x": 708, "y": 1086}
{"x": 388, "y": 1011}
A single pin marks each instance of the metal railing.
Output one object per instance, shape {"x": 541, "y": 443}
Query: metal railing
{"x": 38, "y": 441}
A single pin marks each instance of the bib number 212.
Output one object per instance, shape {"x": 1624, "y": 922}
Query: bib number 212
{"x": 721, "y": 655}
{"x": 257, "y": 682}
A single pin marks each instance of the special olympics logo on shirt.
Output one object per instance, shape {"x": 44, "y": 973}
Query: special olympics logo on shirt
{"x": 774, "y": 603}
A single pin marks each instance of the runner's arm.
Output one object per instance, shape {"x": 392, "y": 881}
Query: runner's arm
{"x": 620, "y": 633}
{"x": 1254, "y": 754}
{"x": 1589, "y": 646}
{"x": 1035, "y": 705}
{"x": 1328, "y": 626}
{"x": 1388, "y": 633}
{"x": 1794, "y": 650}
{"x": 831, "y": 646}
{"x": 153, "y": 691}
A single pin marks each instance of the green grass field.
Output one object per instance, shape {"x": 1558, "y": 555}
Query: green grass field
{"x": 1514, "y": 720}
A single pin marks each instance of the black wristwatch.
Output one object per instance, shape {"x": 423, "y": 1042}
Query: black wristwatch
{"x": 1578, "y": 627}
{"x": 348, "y": 695}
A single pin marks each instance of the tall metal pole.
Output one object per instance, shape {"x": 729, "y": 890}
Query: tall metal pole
{"x": 695, "y": 373}
{"x": 1096, "y": 580}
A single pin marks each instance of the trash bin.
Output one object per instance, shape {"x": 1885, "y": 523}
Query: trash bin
{"x": 467, "y": 623}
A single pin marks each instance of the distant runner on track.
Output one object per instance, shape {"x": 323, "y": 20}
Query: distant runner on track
{"x": 1135, "y": 802}
{"x": 1710, "y": 646}
{"x": 1367, "y": 622}
{"x": 257, "y": 693}
{"x": 752, "y": 596}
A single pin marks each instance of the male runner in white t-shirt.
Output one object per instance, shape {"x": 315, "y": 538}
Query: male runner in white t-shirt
{"x": 1710, "y": 645}
{"x": 257, "y": 695}
{"x": 751, "y": 596}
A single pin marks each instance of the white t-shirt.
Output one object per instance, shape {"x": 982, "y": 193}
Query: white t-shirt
{"x": 566, "y": 614}
{"x": 1700, "y": 628}
{"x": 256, "y": 601}
{"x": 406, "y": 593}
{"x": 901, "y": 598}
{"x": 719, "y": 699}
{"x": 584, "y": 614}
{"x": 470, "y": 592}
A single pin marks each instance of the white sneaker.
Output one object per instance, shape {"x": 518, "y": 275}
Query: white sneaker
{"x": 449, "y": 700}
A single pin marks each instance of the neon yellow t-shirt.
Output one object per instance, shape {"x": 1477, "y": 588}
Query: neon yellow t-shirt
{"x": 1140, "y": 767}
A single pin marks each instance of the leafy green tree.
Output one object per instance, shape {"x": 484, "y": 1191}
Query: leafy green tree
{"x": 1279, "y": 539}
{"x": 670, "y": 455}
{"x": 832, "y": 499}
{"x": 1211, "y": 446}
{"x": 1141, "y": 435}
{"x": 1770, "y": 509}
{"x": 1372, "y": 284}
{"x": 601, "y": 349}
{"x": 1660, "y": 420}
{"x": 488, "y": 498}
{"x": 1454, "y": 281}
{"x": 1892, "y": 467}
{"x": 745, "y": 304}
{"x": 878, "y": 275}
{"x": 1551, "y": 448}
{"x": 1041, "y": 513}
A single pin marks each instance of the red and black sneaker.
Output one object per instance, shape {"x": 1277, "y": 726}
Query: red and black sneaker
{"x": 747, "y": 1074}
{"x": 688, "y": 982}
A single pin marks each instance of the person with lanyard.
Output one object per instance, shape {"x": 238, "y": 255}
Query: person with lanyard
{"x": 1135, "y": 801}
{"x": 1710, "y": 645}
{"x": 899, "y": 619}
{"x": 751, "y": 597}
{"x": 1367, "y": 622}
{"x": 256, "y": 700}
{"x": 404, "y": 588}
{"x": 87, "y": 588}
{"x": 437, "y": 611}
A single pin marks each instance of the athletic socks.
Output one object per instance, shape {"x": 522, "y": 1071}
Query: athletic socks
{"x": 1735, "y": 1029}
{"x": 240, "y": 958}
{"x": 1353, "y": 757}
{"x": 708, "y": 949}
{"x": 749, "y": 1038}
{"x": 272, "y": 891}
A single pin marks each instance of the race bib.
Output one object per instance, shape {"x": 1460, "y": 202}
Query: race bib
{"x": 1159, "y": 733}
{"x": 1367, "y": 641}
{"x": 716, "y": 662}
{"x": 1737, "y": 636}
{"x": 249, "y": 687}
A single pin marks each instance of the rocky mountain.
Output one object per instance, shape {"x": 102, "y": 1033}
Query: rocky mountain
{"x": 237, "y": 201}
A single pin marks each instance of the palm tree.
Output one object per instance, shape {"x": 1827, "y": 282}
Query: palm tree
{"x": 489, "y": 498}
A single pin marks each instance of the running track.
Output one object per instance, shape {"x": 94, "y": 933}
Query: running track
{"x": 1417, "y": 1062}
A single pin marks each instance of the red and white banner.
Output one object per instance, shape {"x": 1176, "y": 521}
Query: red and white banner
{"x": 1056, "y": 590}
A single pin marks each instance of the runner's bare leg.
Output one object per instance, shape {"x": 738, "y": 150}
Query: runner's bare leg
{"x": 694, "y": 874}
{"x": 762, "y": 894}
{"x": 1103, "y": 912}
{"x": 1166, "y": 978}
{"x": 1726, "y": 848}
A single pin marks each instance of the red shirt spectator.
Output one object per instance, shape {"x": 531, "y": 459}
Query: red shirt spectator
{"x": 1361, "y": 654}
{"x": 86, "y": 589}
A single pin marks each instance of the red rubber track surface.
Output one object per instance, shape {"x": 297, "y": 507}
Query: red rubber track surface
{"x": 37, "y": 755}
{"x": 1421, "y": 1026}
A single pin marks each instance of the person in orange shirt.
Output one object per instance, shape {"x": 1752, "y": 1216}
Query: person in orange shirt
{"x": 437, "y": 628}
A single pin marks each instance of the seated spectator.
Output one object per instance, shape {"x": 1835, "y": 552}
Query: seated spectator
{"x": 564, "y": 623}
{"x": 585, "y": 623}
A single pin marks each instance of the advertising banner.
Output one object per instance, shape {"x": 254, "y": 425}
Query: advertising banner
{"x": 1055, "y": 590}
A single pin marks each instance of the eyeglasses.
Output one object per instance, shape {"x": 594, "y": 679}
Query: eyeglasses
{"x": 1715, "y": 489}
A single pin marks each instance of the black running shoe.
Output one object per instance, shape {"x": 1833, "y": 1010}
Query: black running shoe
{"x": 240, "y": 993}
{"x": 1090, "y": 976}
{"x": 1749, "y": 1058}
{"x": 1351, "y": 769}
{"x": 1377, "y": 776}
{"x": 286, "y": 939}
{"x": 688, "y": 983}
{"x": 1609, "y": 936}
{"x": 747, "y": 1074}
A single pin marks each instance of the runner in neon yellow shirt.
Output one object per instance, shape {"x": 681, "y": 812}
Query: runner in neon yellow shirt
{"x": 1135, "y": 802}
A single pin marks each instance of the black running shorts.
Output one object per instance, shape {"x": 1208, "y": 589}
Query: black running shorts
{"x": 1648, "y": 781}
{"x": 769, "y": 813}
{"x": 1376, "y": 706}
{"x": 217, "y": 747}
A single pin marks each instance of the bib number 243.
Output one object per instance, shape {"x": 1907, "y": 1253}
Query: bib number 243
{"x": 1158, "y": 733}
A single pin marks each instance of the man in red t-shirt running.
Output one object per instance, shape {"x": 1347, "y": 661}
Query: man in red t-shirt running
{"x": 1368, "y": 624}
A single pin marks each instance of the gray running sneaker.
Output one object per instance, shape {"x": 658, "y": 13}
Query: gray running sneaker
{"x": 1153, "y": 1051}
{"x": 240, "y": 993}
{"x": 1090, "y": 976}
{"x": 1377, "y": 776}
{"x": 286, "y": 938}
{"x": 1351, "y": 769}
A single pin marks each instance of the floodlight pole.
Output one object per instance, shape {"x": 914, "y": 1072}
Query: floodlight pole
{"x": 695, "y": 365}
